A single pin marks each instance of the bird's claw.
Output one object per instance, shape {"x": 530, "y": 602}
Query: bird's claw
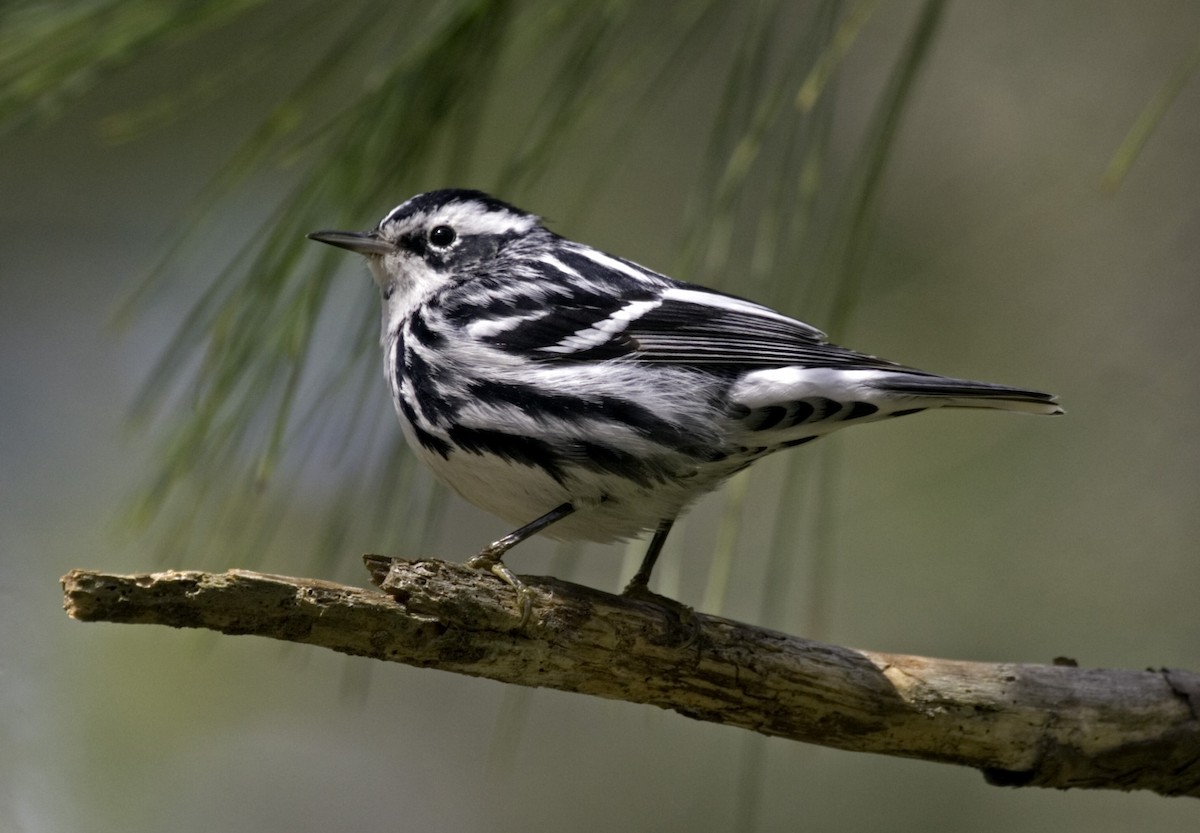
{"x": 488, "y": 562}
{"x": 681, "y": 618}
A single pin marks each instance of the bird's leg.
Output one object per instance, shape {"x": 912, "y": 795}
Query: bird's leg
{"x": 489, "y": 558}
{"x": 639, "y": 587}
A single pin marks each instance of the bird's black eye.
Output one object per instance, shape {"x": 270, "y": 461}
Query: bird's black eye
{"x": 442, "y": 236}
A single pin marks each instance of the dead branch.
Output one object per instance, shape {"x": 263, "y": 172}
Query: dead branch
{"x": 1021, "y": 725}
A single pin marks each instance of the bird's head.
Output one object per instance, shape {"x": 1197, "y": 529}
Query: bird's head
{"x": 427, "y": 240}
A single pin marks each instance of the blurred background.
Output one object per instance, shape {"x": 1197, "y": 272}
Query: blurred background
{"x": 934, "y": 183}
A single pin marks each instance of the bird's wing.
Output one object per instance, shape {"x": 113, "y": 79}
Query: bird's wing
{"x": 776, "y": 359}
{"x": 676, "y": 324}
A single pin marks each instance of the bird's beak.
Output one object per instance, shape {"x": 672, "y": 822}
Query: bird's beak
{"x": 364, "y": 242}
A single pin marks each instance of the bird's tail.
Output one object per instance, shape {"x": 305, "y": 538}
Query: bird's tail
{"x": 964, "y": 393}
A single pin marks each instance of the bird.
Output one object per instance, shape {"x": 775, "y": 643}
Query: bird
{"x": 580, "y": 395}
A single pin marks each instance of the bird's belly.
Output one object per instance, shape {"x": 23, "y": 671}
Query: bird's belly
{"x": 622, "y": 467}
{"x": 609, "y": 507}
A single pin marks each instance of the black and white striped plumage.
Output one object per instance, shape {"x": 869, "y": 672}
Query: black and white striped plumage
{"x": 532, "y": 372}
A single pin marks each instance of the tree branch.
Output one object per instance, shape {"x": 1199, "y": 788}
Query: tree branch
{"x": 1022, "y": 725}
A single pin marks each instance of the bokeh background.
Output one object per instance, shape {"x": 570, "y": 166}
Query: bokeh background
{"x": 997, "y": 252}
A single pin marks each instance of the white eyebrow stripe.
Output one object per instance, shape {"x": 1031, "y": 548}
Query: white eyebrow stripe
{"x": 467, "y": 218}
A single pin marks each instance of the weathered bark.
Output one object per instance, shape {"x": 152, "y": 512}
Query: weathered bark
{"x": 1022, "y": 725}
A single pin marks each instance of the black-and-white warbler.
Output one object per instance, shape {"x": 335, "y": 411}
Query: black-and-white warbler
{"x": 586, "y": 397}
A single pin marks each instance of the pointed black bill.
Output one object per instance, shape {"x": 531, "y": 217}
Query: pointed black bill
{"x": 363, "y": 242}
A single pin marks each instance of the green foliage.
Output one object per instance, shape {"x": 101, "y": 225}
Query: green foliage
{"x": 394, "y": 102}
{"x": 52, "y": 53}
{"x": 1145, "y": 124}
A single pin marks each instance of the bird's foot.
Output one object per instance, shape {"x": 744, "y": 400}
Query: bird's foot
{"x": 489, "y": 561}
{"x": 681, "y": 618}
